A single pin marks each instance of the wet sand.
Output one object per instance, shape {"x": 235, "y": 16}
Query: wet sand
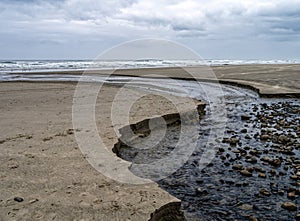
{"x": 271, "y": 80}
{"x": 268, "y": 80}
{"x": 44, "y": 176}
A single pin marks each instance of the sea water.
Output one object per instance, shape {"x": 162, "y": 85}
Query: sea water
{"x": 55, "y": 65}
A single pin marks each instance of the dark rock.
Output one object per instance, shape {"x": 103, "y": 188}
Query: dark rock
{"x": 255, "y": 207}
{"x": 221, "y": 150}
{"x": 227, "y": 164}
{"x": 247, "y": 148}
{"x": 239, "y": 184}
{"x": 199, "y": 181}
{"x": 210, "y": 164}
{"x": 245, "y": 117}
{"x": 245, "y": 184}
{"x": 244, "y": 130}
{"x": 250, "y": 169}
{"x": 18, "y": 199}
{"x": 230, "y": 181}
{"x": 232, "y": 159}
{"x": 273, "y": 172}
{"x": 275, "y": 162}
{"x": 222, "y": 157}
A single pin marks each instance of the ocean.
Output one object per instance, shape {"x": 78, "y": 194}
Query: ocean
{"x": 9, "y": 66}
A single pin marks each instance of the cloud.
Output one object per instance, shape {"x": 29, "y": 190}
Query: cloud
{"x": 216, "y": 18}
{"x": 203, "y": 18}
{"x": 63, "y": 21}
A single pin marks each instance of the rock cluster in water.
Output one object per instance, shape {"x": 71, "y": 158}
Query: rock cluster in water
{"x": 256, "y": 172}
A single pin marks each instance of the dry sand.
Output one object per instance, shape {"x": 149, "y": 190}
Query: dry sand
{"x": 42, "y": 164}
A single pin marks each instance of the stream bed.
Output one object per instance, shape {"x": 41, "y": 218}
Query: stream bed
{"x": 255, "y": 172}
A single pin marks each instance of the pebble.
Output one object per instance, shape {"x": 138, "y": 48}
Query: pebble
{"x": 259, "y": 169}
{"x": 248, "y": 137}
{"x": 201, "y": 191}
{"x": 229, "y": 181}
{"x": 291, "y": 195}
{"x": 13, "y": 165}
{"x": 252, "y": 218}
{"x": 221, "y": 150}
{"x": 273, "y": 172}
{"x": 252, "y": 160}
{"x": 275, "y": 162}
{"x": 294, "y": 177}
{"x": 33, "y": 201}
{"x": 246, "y": 207}
{"x": 245, "y": 173}
{"x": 289, "y": 206}
{"x": 210, "y": 186}
{"x": 238, "y": 167}
{"x": 264, "y": 192}
{"x": 266, "y": 159}
{"x": 262, "y": 175}
{"x": 18, "y": 199}
{"x": 264, "y": 137}
{"x": 233, "y": 140}
{"x": 283, "y": 139}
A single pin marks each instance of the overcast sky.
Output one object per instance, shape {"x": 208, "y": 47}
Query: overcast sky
{"x": 82, "y": 29}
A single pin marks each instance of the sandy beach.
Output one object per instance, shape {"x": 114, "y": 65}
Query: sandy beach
{"x": 45, "y": 176}
{"x": 43, "y": 165}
